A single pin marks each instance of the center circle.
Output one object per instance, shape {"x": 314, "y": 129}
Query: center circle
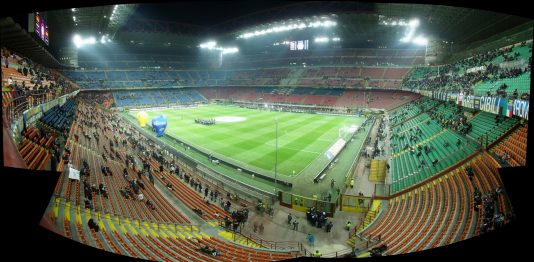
{"x": 229, "y": 119}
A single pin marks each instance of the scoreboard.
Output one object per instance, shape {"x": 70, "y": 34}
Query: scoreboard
{"x": 38, "y": 25}
{"x": 298, "y": 45}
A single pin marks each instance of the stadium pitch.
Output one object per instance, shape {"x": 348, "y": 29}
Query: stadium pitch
{"x": 247, "y": 137}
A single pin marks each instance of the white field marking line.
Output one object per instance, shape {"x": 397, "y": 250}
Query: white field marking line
{"x": 251, "y": 167}
{"x": 320, "y": 154}
{"x": 313, "y": 161}
{"x": 224, "y": 145}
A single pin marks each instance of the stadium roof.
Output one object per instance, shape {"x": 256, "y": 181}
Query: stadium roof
{"x": 102, "y": 19}
{"x": 358, "y": 22}
{"x": 14, "y": 37}
{"x": 186, "y": 24}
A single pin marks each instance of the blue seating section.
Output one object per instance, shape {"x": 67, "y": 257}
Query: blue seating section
{"x": 60, "y": 117}
{"x": 156, "y": 97}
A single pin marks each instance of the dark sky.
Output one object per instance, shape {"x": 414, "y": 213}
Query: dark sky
{"x": 203, "y": 13}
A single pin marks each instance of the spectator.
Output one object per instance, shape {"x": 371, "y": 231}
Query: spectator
{"x": 289, "y": 218}
{"x": 296, "y": 225}
{"x": 92, "y": 225}
{"x": 261, "y": 228}
{"x": 329, "y": 226}
{"x": 311, "y": 239}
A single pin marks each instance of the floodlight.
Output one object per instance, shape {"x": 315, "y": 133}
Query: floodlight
{"x": 321, "y": 40}
{"x": 229, "y": 50}
{"x": 208, "y": 45}
{"x": 77, "y": 41}
{"x": 91, "y": 40}
{"x": 420, "y": 40}
{"x": 414, "y": 22}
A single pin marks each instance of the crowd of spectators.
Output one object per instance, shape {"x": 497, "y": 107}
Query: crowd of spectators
{"x": 455, "y": 120}
{"x": 42, "y": 85}
{"x": 487, "y": 204}
{"x": 97, "y": 98}
{"x": 451, "y": 77}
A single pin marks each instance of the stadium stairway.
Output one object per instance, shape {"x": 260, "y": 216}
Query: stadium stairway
{"x": 370, "y": 217}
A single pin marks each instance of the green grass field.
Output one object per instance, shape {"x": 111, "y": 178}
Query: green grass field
{"x": 302, "y": 138}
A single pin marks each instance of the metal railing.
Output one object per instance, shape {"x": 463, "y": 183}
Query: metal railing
{"x": 286, "y": 246}
{"x": 349, "y": 252}
{"x": 21, "y": 103}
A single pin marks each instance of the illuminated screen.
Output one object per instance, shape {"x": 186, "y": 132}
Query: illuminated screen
{"x": 41, "y": 28}
{"x": 298, "y": 45}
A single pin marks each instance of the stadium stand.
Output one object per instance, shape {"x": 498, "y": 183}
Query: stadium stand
{"x": 137, "y": 235}
{"x": 59, "y": 117}
{"x": 138, "y": 98}
{"x": 490, "y": 125}
{"x": 35, "y": 148}
{"x": 513, "y": 149}
{"x": 490, "y": 74}
{"x": 442, "y": 211}
{"x": 122, "y": 189}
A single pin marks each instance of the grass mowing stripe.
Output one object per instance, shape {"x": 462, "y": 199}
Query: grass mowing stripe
{"x": 302, "y": 137}
{"x": 291, "y": 160}
{"x": 283, "y": 141}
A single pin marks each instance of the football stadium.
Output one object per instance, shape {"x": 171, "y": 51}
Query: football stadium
{"x": 269, "y": 132}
